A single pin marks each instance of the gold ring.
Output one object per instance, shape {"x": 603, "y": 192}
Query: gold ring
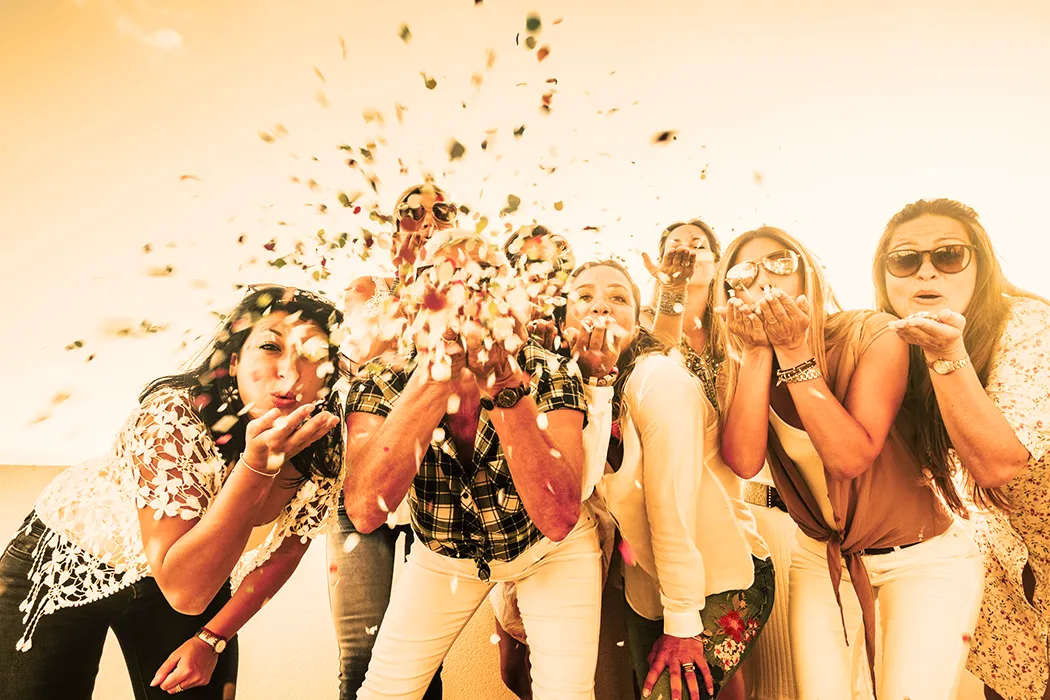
{"x": 689, "y": 667}
{"x": 178, "y": 687}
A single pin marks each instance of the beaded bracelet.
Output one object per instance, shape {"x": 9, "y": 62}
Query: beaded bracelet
{"x": 607, "y": 380}
{"x": 268, "y": 475}
{"x": 802, "y": 372}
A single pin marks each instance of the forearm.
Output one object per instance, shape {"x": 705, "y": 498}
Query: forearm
{"x": 667, "y": 327}
{"x": 844, "y": 445}
{"x": 380, "y": 473}
{"x": 746, "y": 429}
{"x": 985, "y": 442}
{"x": 257, "y": 588}
{"x": 547, "y": 471}
{"x": 199, "y": 562}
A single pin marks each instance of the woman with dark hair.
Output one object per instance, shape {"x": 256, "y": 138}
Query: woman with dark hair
{"x": 817, "y": 392}
{"x": 683, "y": 309}
{"x": 150, "y": 542}
{"x": 979, "y": 396}
{"x": 698, "y": 581}
{"x": 359, "y": 590}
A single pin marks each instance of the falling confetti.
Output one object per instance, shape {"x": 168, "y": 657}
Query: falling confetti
{"x": 351, "y": 541}
{"x": 456, "y": 150}
{"x": 628, "y": 554}
{"x": 665, "y": 136}
{"x": 429, "y": 81}
{"x": 405, "y": 33}
{"x": 533, "y": 24}
{"x": 494, "y": 639}
{"x": 543, "y": 52}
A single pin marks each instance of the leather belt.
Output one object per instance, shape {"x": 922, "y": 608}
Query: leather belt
{"x": 762, "y": 495}
{"x": 887, "y": 550}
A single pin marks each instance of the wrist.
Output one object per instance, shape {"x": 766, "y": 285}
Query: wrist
{"x": 952, "y": 354}
{"x": 790, "y": 357}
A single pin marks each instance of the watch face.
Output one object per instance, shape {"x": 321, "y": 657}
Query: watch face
{"x": 220, "y": 646}
{"x": 507, "y": 398}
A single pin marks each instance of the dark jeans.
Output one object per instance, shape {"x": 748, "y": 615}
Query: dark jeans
{"x": 359, "y": 589}
{"x": 67, "y": 644}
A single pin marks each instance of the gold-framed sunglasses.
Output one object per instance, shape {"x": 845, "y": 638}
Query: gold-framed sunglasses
{"x": 781, "y": 263}
{"x": 443, "y": 212}
{"x": 949, "y": 259}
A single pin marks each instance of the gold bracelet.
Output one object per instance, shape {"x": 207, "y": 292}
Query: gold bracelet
{"x": 268, "y": 475}
{"x": 802, "y": 372}
{"x": 671, "y": 301}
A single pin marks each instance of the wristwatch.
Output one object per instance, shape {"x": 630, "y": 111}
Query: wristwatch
{"x": 217, "y": 643}
{"x": 506, "y": 398}
{"x": 942, "y": 366}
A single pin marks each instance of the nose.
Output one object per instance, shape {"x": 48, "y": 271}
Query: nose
{"x": 288, "y": 368}
{"x": 762, "y": 279}
{"x": 927, "y": 271}
{"x": 600, "y": 307}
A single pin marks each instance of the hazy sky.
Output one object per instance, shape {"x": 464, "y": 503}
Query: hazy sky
{"x": 821, "y": 118}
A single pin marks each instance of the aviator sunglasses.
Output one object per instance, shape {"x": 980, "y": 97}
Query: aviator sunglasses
{"x": 949, "y": 259}
{"x": 781, "y": 263}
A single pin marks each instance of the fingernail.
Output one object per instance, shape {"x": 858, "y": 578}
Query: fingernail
{"x": 645, "y": 693}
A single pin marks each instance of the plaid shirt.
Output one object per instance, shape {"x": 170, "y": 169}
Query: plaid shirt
{"x": 473, "y": 514}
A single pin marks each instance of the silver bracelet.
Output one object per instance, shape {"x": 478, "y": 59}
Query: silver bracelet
{"x": 671, "y": 301}
{"x": 802, "y": 372}
{"x": 268, "y": 475}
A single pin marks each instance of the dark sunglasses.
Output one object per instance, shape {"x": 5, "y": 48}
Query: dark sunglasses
{"x": 949, "y": 259}
{"x": 781, "y": 263}
{"x": 445, "y": 212}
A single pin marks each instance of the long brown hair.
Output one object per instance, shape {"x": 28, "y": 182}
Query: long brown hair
{"x": 823, "y": 304}
{"x": 986, "y": 317}
{"x": 714, "y": 344}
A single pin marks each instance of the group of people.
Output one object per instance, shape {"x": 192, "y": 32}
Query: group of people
{"x": 782, "y": 489}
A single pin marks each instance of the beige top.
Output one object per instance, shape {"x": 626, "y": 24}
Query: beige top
{"x": 679, "y": 508}
{"x": 800, "y": 449}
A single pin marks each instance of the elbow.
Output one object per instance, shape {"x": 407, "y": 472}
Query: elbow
{"x": 186, "y": 601}
{"x": 366, "y": 519}
{"x": 997, "y": 473}
{"x": 741, "y": 466}
{"x": 844, "y": 470}
{"x": 560, "y": 527}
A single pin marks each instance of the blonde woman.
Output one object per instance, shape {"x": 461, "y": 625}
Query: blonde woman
{"x": 823, "y": 389}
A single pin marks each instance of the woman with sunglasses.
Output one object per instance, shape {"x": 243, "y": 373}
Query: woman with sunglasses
{"x": 688, "y": 254}
{"x": 979, "y": 394}
{"x": 817, "y": 392}
{"x": 148, "y": 541}
{"x": 359, "y": 590}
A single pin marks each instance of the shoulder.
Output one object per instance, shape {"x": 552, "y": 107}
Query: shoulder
{"x": 1027, "y": 326}
{"x": 658, "y": 369}
{"x": 168, "y": 401}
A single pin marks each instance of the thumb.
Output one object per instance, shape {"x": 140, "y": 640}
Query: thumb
{"x": 803, "y": 303}
{"x": 165, "y": 668}
{"x": 650, "y": 266}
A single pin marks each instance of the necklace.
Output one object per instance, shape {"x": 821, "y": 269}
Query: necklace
{"x": 705, "y": 368}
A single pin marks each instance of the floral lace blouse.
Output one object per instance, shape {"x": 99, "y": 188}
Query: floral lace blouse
{"x": 165, "y": 459}
{"x": 1010, "y": 652}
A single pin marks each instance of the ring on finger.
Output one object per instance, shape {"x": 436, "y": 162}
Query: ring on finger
{"x": 770, "y": 319}
{"x": 178, "y": 688}
{"x": 689, "y": 667}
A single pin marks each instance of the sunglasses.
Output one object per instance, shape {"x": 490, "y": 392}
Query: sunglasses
{"x": 443, "y": 212}
{"x": 781, "y": 263}
{"x": 949, "y": 259}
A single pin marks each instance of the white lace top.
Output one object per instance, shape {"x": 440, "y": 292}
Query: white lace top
{"x": 165, "y": 459}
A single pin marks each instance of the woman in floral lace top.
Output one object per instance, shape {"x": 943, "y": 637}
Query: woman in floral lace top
{"x": 981, "y": 392}
{"x": 149, "y": 541}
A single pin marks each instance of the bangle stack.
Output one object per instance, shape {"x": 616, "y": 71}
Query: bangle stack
{"x": 672, "y": 301}
{"x": 799, "y": 373}
{"x": 260, "y": 472}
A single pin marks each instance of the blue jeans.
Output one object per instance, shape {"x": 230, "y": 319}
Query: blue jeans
{"x": 359, "y": 587}
{"x": 67, "y": 644}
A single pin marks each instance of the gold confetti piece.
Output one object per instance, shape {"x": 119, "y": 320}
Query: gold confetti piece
{"x": 321, "y": 98}
{"x": 405, "y": 33}
{"x": 543, "y": 52}
{"x": 268, "y": 138}
{"x": 439, "y": 434}
{"x": 342, "y": 47}
{"x": 490, "y": 59}
{"x": 558, "y": 206}
{"x": 319, "y": 74}
{"x": 530, "y": 42}
{"x": 189, "y": 177}
{"x": 430, "y": 82}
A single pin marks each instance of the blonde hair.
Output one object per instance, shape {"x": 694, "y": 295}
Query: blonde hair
{"x": 822, "y": 302}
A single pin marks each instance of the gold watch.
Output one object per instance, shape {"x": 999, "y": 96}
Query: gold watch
{"x": 942, "y": 366}
{"x": 217, "y": 643}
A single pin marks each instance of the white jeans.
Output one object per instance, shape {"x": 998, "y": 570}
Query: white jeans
{"x": 559, "y": 593}
{"x": 928, "y": 596}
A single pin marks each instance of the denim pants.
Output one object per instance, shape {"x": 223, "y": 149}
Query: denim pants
{"x": 67, "y": 644}
{"x": 359, "y": 586}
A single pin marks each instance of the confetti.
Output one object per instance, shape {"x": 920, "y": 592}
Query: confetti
{"x": 533, "y": 24}
{"x": 183, "y": 178}
{"x": 428, "y": 81}
{"x": 665, "y": 136}
{"x": 520, "y": 131}
{"x": 494, "y": 639}
{"x": 405, "y": 33}
{"x": 543, "y": 52}
{"x": 382, "y": 504}
{"x": 319, "y": 74}
{"x": 342, "y": 47}
{"x": 456, "y": 150}
{"x": 558, "y": 206}
{"x": 619, "y": 643}
{"x": 627, "y": 553}
{"x": 371, "y": 630}
{"x": 541, "y": 421}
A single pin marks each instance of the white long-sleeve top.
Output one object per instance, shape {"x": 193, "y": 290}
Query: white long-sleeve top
{"x": 678, "y": 506}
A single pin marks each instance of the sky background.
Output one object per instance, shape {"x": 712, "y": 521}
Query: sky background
{"x": 130, "y": 126}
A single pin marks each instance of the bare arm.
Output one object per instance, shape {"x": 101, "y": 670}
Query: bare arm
{"x": 986, "y": 442}
{"x": 746, "y": 428}
{"x": 849, "y": 437}
{"x": 192, "y": 555}
{"x": 546, "y": 465}
{"x": 383, "y": 454}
